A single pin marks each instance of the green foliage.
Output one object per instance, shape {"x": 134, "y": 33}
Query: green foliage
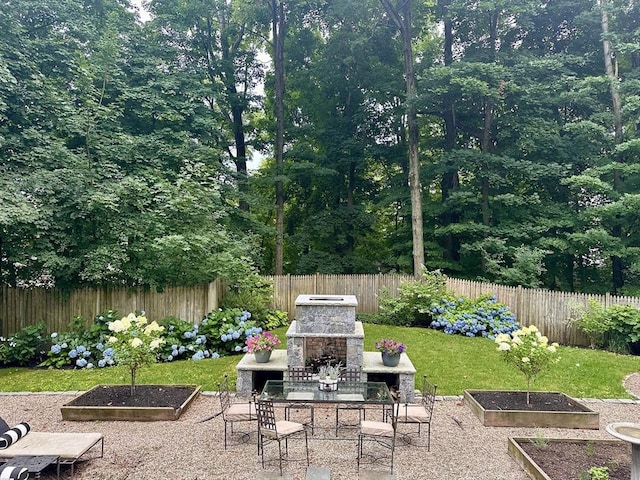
{"x": 413, "y": 303}
{"x": 540, "y": 440}
{"x": 593, "y": 321}
{"x": 615, "y": 328}
{"x": 275, "y": 319}
{"x": 598, "y": 473}
{"x": 250, "y": 292}
{"x": 27, "y": 347}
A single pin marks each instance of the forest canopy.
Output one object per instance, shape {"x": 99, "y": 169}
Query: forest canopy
{"x": 126, "y": 145}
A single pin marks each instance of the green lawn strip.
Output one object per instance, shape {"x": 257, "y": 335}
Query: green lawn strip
{"x": 453, "y": 362}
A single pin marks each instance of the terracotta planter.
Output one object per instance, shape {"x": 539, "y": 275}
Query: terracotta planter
{"x": 77, "y": 409}
{"x": 577, "y": 417}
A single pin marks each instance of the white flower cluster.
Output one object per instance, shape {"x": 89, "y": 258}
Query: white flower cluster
{"x": 534, "y": 340}
{"x": 136, "y": 324}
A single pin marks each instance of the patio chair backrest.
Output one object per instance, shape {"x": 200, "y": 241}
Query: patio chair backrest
{"x": 300, "y": 374}
{"x": 428, "y": 395}
{"x": 225, "y": 395}
{"x": 266, "y": 416}
{"x": 350, "y": 374}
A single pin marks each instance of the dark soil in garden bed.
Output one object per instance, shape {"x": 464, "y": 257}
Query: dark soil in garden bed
{"x": 540, "y": 401}
{"x": 569, "y": 460}
{"x": 145, "y": 396}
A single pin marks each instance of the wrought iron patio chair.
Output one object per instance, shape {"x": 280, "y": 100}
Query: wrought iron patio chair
{"x": 419, "y": 413}
{"x": 235, "y": 412}
{"x": 349, "y": 375}
{"x": 301, "y": 374}
{"x": 277, "y": 431}
{"x": 381, "y": 438}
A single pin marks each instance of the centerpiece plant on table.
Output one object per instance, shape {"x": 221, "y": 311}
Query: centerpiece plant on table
{"x": 328, "y": 375}
{"x": 135, "y": 343}
{"x": 528, "y": 351}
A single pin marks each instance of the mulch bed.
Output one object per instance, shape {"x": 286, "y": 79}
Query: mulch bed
{"x": 145, "y": 396}
{"x": 540, "y": 401}
{"x": 568, "y": 460}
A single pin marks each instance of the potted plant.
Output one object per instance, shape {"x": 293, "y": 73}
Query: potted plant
{"x": 391, "y": 351}
{"x": 261, "y": 345}
{"x": 328, "y": 375}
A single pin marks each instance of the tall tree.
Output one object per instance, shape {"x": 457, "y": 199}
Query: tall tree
{"x": 212, "y": 42}
{"x": 401, "y": 16}
{"x": 278, "y": 34}
{"x": 617, "y": 268}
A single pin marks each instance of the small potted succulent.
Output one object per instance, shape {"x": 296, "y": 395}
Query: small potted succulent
{"x": 328, "y": 376}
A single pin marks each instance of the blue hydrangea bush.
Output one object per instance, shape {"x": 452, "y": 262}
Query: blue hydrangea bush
{"x": 480, "y": 317}
{"x": 82, "y": 347}
{"x": 222, "y": 332}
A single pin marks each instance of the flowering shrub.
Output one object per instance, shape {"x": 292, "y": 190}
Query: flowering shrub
{"x": 82, "y": 347}
{"x": 483, "y": 316}
{"x": 135, "y": 342}
{"x": 390, "y": 346}
{"x": 262, "y": 342}
{"x": 528, "y": 351}
{"x": 182, "y": 341}
{"x": 411, "y": 305}
{"x": 228, "y": 330}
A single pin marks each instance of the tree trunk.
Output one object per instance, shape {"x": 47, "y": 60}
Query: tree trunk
{"x": 241, "y": 156}
{"x": 278, "y": 32}
{"x": 617, "y": 266}
{"x": 450, "y": 180}
{"x": 403, "y": 22}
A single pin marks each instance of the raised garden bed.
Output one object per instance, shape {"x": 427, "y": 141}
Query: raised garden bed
{"x": 501, "y": 408}
{"x": 114, "y": 402}
{"x": 568, "y": 458}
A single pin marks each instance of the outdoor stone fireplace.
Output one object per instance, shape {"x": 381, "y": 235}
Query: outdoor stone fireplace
{"x": 325, "y": 329}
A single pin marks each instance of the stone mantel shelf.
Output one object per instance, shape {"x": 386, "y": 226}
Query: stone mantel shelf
{"x": 292, "y": 332}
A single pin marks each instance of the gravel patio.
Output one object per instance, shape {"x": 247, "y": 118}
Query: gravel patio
{"x": 191, "y": 448}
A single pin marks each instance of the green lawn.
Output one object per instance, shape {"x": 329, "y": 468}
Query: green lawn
{"x": 453, "y": 362}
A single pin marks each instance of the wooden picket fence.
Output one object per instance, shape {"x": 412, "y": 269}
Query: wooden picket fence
{"x": 549, "y": 310}
{"x": 21, "y": 307}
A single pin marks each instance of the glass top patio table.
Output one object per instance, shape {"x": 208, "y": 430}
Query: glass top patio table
{"x": 309, "y": 391}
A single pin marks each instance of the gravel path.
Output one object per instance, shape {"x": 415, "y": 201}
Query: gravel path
{"x": 191, "y": 448}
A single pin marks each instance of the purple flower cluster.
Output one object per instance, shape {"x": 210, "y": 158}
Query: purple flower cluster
{"x": 390, "y": 346}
